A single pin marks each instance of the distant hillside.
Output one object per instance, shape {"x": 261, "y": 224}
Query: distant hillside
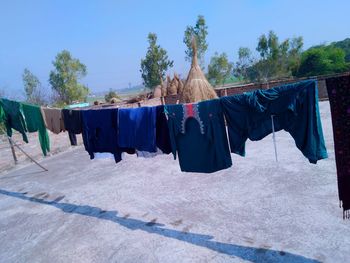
{"x": 133, "y": 90}
{"x": 123, "y": 93}
{"x": 344, "y": 45}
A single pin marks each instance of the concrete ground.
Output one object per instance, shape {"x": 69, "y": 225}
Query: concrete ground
{"x": 146, "y": 210}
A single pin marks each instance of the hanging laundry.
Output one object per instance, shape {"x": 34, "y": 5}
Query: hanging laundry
{"x": 198, "y": 136}
{"x": 35, "y": 123}
{"x": 295, "y": 109}
{"x": 53, "y": 119}
{"x": 100, "y": 132}
{"x": 2, "y": 114}
{"x": 72, "y": 124}
{"x": 162, "y": 131}
{"x": 14, "y": 118}
{"x": 339, "y": 97}
{"x": 137, "y": 128}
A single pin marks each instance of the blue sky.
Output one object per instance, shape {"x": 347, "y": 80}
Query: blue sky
{"x": 109, "y": 37}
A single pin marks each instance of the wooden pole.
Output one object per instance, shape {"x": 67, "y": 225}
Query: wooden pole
{"x": 38, "y": 164}
{"x": 13, "y": 151}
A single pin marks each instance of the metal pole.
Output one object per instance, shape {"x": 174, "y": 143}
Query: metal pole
{"x": 274, "y": 137}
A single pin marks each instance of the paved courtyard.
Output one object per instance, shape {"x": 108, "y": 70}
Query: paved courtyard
{"x": 146, "y": 210}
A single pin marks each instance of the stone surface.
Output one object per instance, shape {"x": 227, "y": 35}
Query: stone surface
{"x": 146, "y": 210}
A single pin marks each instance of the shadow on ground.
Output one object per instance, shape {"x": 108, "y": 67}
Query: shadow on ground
{"x": 246, "y": 253}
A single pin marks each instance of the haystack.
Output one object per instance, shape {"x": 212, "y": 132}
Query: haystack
{"x": 197, "y": 87}
{"x": 114, "y": 100}
{"x": 157, "y": 93}
{"x": 180, "y": 85}
{"x": 162, "y": 87}
{"x": 172, "y": 90}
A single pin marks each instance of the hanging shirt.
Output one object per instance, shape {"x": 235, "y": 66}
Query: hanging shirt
{"x": 100, "y": 132}
{"x": 2, "y": 114}
{"x": 35, "y": 123}
{"x": 53, "y": 119}
{"x": 339, "y": 98}
{"x": 295, "y": 109}
{"x": 72, "y": 123}
{"x": 162, "y": 131}
{"x": 198, "y": 136}
{"x": 137, "y": 128}
{"x": 14, "y": 118}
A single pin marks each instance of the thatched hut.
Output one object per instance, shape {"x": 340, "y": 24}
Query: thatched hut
{"x": 197, "y": 87}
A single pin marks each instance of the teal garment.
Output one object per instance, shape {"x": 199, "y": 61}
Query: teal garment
{"x": 13, "y": 117}
{"x": 198, "y": 135}
{"x": 295, "y": 109}
{"x": 78, "y": 105}
{"x": 35, "y": 123}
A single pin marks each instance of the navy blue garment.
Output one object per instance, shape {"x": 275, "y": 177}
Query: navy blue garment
{"x": 295, "y": 109}
{"x": 198, "y": 136}
{"x": 137, "y": 128}
{"x": 72, "y": 123}
{"x": 162, "y": 131}
{"x": 100, "y": 132}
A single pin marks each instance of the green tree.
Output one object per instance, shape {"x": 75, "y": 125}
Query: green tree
{"x": 244, "y": 64}
{"x": 200, "y": 32}
{"x": 344, "y": 45}
{"x": 219, "y": 69}
{"x": 64, "y": 78}
{"x": 155, "y": 64}
{"x": 31, "y": 83}
{"x": 34, "y": 91}
{"x": 276, "y": 59}
{"x": 111, "y": 94}
{"x": 322, "y": 60}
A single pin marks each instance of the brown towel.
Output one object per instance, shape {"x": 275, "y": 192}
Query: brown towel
{"x": 53, "y": 119}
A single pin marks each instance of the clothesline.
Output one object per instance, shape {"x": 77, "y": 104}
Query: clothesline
{"x": 193, "y": 133}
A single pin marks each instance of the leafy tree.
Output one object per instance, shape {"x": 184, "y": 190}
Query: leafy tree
{"x": 200, "y": 32}
{"x": 111, "y": 94}
{"x": 64, "y": 78}
{"x": 294, "y": 54}
{"x": 344, "y": 45}
{"x": 322, "y": 60}
{"x": 155, "y": 64}
{"x": 276, "y": 59}
{"x": 219, "y": 69}
{"x": 34, "y": 92}
{"x": 244, "y": 63}
{"x": 31, "y": 83}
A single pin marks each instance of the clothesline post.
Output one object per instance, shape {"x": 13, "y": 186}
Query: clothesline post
{"x": 12, "y": 144}
{"x": 13, "y": 151}
{"x": 38, "y": 164}
{"x": 274, "y": 137}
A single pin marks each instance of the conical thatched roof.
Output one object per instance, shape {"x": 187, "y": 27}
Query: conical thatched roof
{"x": 197, "y": 87}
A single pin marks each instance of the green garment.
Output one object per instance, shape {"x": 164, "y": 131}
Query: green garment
{"x": 13, "y": 117}
{"x": 2, "y": 114}
{"x": 35, "y": 122}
